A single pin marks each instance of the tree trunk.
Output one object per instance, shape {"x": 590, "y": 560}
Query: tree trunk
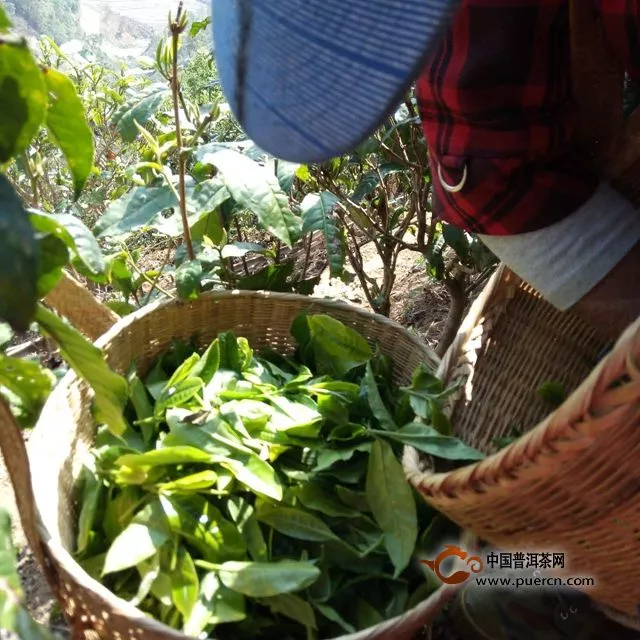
{"x": 456, "y": 288}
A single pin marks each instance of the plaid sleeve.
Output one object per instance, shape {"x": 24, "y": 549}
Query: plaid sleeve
{"x": 621, "y": 21}
{"x": 495, "y": 101}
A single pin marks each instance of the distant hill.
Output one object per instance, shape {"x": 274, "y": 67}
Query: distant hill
{"x": 59, "y": 19}
{"x": 151, "y": 13}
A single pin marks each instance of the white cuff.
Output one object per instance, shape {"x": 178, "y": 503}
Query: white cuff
{"x": 566, "y": 260}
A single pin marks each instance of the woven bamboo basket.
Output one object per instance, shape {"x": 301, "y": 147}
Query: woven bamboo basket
{"x": 66, "y": 430}
{"x": 572, "y": 483}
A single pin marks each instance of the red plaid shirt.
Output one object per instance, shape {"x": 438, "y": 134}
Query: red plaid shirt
{"x": 496, "y": 98}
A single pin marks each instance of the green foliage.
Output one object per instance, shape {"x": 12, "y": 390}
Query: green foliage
{"x": 262, "y": 487}
{"x": 14, "y": 616}
{"x": 56, "y": 18}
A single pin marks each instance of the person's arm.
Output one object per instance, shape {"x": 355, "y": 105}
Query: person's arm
{"x": 588, "y": 262}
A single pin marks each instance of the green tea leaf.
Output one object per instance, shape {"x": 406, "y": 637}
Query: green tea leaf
{"x": 314, "y": 497}
{"x": 317, "y": 215}
{"x": 255, "y": 473}
{"x": 139, "y": 541}
{"x": 391, "y": 501}
{"x": 177, "y": 395}
{"x": 29, "y": 382}
{"x": 19, "y": 256}
{"x": 68, "y": 126}
{"x": 328, "y": 457}
{"x": 216, "y": 604}
{"x": 265, "y": 579}
{"x": 295, "y": 523}
{"x": 208, "y": 363}
{"x": 75, "y": 234}
{"x": 255, "y": 188}
{"x": 185, "y": 586}
{"x": 294, "y": 607}
{"x": 199, "y": 25}
{"x": 188, "y": 280}
{"x": 191, "y": 483}
{"x": 203, "y": 526}
{"x": 135, "y": 210}
{"x": 165, "y": 456}
{"x": 120, "y": 510}
{"x": 139, "y": 109}
{"x": 23, "y": 98}
{"x": 338, "y": 349}
{"x": 331, "y": 614}
{"x": 90, "y": 499}
{"x": 354, "y": 499}
{"x": 378, "y": 408}
{"x": 53, "y": 256}
{"x": 428, "y": 440}
{"x": 111, "y": 389}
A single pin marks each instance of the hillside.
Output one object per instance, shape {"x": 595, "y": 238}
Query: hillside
{"x": 150, "y": 13}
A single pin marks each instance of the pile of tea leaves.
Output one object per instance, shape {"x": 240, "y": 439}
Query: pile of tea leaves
{"x": 261, "y": 495}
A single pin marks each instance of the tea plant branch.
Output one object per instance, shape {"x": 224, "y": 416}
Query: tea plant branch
{"x": 145, "y": 277}
{"x": 177, "y": 27}
{"x": 35, "y": 198}
{"x": 240, "y": 239}
{"x": 156, "y": 280}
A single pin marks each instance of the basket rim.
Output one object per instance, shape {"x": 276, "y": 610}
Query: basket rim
{"x": 65, "y": 559}
{"x": 591, "y": 408}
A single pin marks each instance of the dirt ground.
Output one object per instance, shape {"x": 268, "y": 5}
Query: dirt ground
{"x": 417, "y": 303}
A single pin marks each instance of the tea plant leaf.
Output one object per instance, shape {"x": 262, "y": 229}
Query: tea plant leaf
{"x": 315, "y": 498}
{"x": 199, "y": 25}
{"x": 91, "y": 490}
{"x": 139, "y": 109}
{"x": 255, "y": 188}
{"x": 294, "y": 607}
{"x": 23, "y": 98}
{"x": 265, "y": 579}
{"x": 331, "y": 614}
{"x": 164, "y": 456}
{"x": 68, "y": 126}
{"x": 391, "y": 501}
{"x": 53, "y": 256}
{"x": 19, "y": 260}
{"x": 216, "y": 604}
{"x": 87, "y": 361}
{"x": 190, "y": 484}
{"x": 30, "y": 382}
{"x": 336, "y": 347}
{"x": 295, "y": 524}
{"x": 428, "y": 440}
{"x": 380, "y": 411}
{"x": 203, "y": 526}
{"x": 188, "y": 280}
{"x": 256, "y": 474}
{"x": 139, "y": 541}
{"x": 136, "y": 209}
{"x": 317, "y": 215}
{"x": 14, "y": 617}
{"x": 75, "y": 234}
{"x": 185, "y": 585}
{"x": 177, "y": 395}
{"x": 286, "y": 172}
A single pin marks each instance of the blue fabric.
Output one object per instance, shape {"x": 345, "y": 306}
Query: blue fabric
{"x": 309, "y": 79}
